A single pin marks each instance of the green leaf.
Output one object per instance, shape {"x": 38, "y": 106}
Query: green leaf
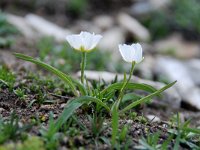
{"x": 131, "y": 86}
{"x": 58, "y": 73}
{"x": 193, "y": 130}
{"x": 130, "y": 97}
{"x": 115, "y": 118}
{"x": 75, "y": 104}
{"x": 146, "y": 98}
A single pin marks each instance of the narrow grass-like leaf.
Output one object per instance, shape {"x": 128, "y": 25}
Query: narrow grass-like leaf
{"x": 55, "y": 71}
{"x": 146, "y": 98}
{"x": 75, "y": 104}
{"x": 115, "y": 118}
{"x": 167, "y": 142}
{"x": 144, "y": 143}
{"x": 177, "y": 142}
{"x": 130, "y": 97}
{"x": 193, "y": 130}
{"x": 131, "y": 86}
{"x": 4, "y": 82}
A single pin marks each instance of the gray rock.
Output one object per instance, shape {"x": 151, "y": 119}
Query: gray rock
{"x": 146, "y": 67}
{"x": 193, "y": 67}
{"x": 175, "y": 45}
{"x": 104, "y": 22}
{"x": 133, "y": 26}
{"x": 173, "y": 70}
{"x": 111, "y": 39}
{"x": 46, "y": 28}
{"x": 21, "y": 24}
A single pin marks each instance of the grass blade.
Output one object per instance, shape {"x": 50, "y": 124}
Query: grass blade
{"x": 131, "y": 86}
{"x": 58, "y": 73}
{"x": 146, "y": 98}
{"x": 115, "y": 118}
{"x": 75, "y": 104}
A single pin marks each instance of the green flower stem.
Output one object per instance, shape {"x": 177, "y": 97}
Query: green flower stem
{"x": 83, "y": 64}
{"x": 125, "y": 84}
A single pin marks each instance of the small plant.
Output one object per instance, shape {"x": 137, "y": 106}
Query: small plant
{"x": 50, "y": 135}
{"x": 108, "y": 100}
{"x": 20, "y": 93}
{"x": 11, "y": 129}
{"x": 6, "y": 78}
{"x": 184, "y": 134}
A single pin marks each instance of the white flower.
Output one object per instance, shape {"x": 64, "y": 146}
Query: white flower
{"x": 84, "y": 41}
{"x": 131, "y": 53}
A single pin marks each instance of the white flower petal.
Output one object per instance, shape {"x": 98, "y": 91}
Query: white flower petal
{"x": 131, "y": 53}
{"x": 95, "y": 41}
{"x": 138, "y": 52}
{"x": 74, "y": 41}
{"x": 85, "y": 41}
{"x": 125, "y": 52}
{"x": 86, "y": 38}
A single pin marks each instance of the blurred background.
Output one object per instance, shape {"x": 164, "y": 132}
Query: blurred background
{"x": 168, "y": 30}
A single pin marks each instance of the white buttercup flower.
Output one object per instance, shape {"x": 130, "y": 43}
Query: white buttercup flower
{"x": 84, "y": 41}
{"x": 131, "y": 53}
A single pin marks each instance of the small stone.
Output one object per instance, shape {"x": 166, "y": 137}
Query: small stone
{"x": 153, "y": 118}
{"x": 61, "y": 61}
{"x": 63, "y": 105}
{"x": 129, "y": 121}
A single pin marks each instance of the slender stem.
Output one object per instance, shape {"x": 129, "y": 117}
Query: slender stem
{"x": 125, "y": 84}
{"x": 83, "y": 64}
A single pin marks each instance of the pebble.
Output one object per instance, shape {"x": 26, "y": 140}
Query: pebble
{"x": 133, "y": 26}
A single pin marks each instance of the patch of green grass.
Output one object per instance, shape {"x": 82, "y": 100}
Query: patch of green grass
{"x": 11, "y": 129}
{"x": 43, "y": 88}
{"x": 7, "y": 78}
{"x": 180, "y": 16}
